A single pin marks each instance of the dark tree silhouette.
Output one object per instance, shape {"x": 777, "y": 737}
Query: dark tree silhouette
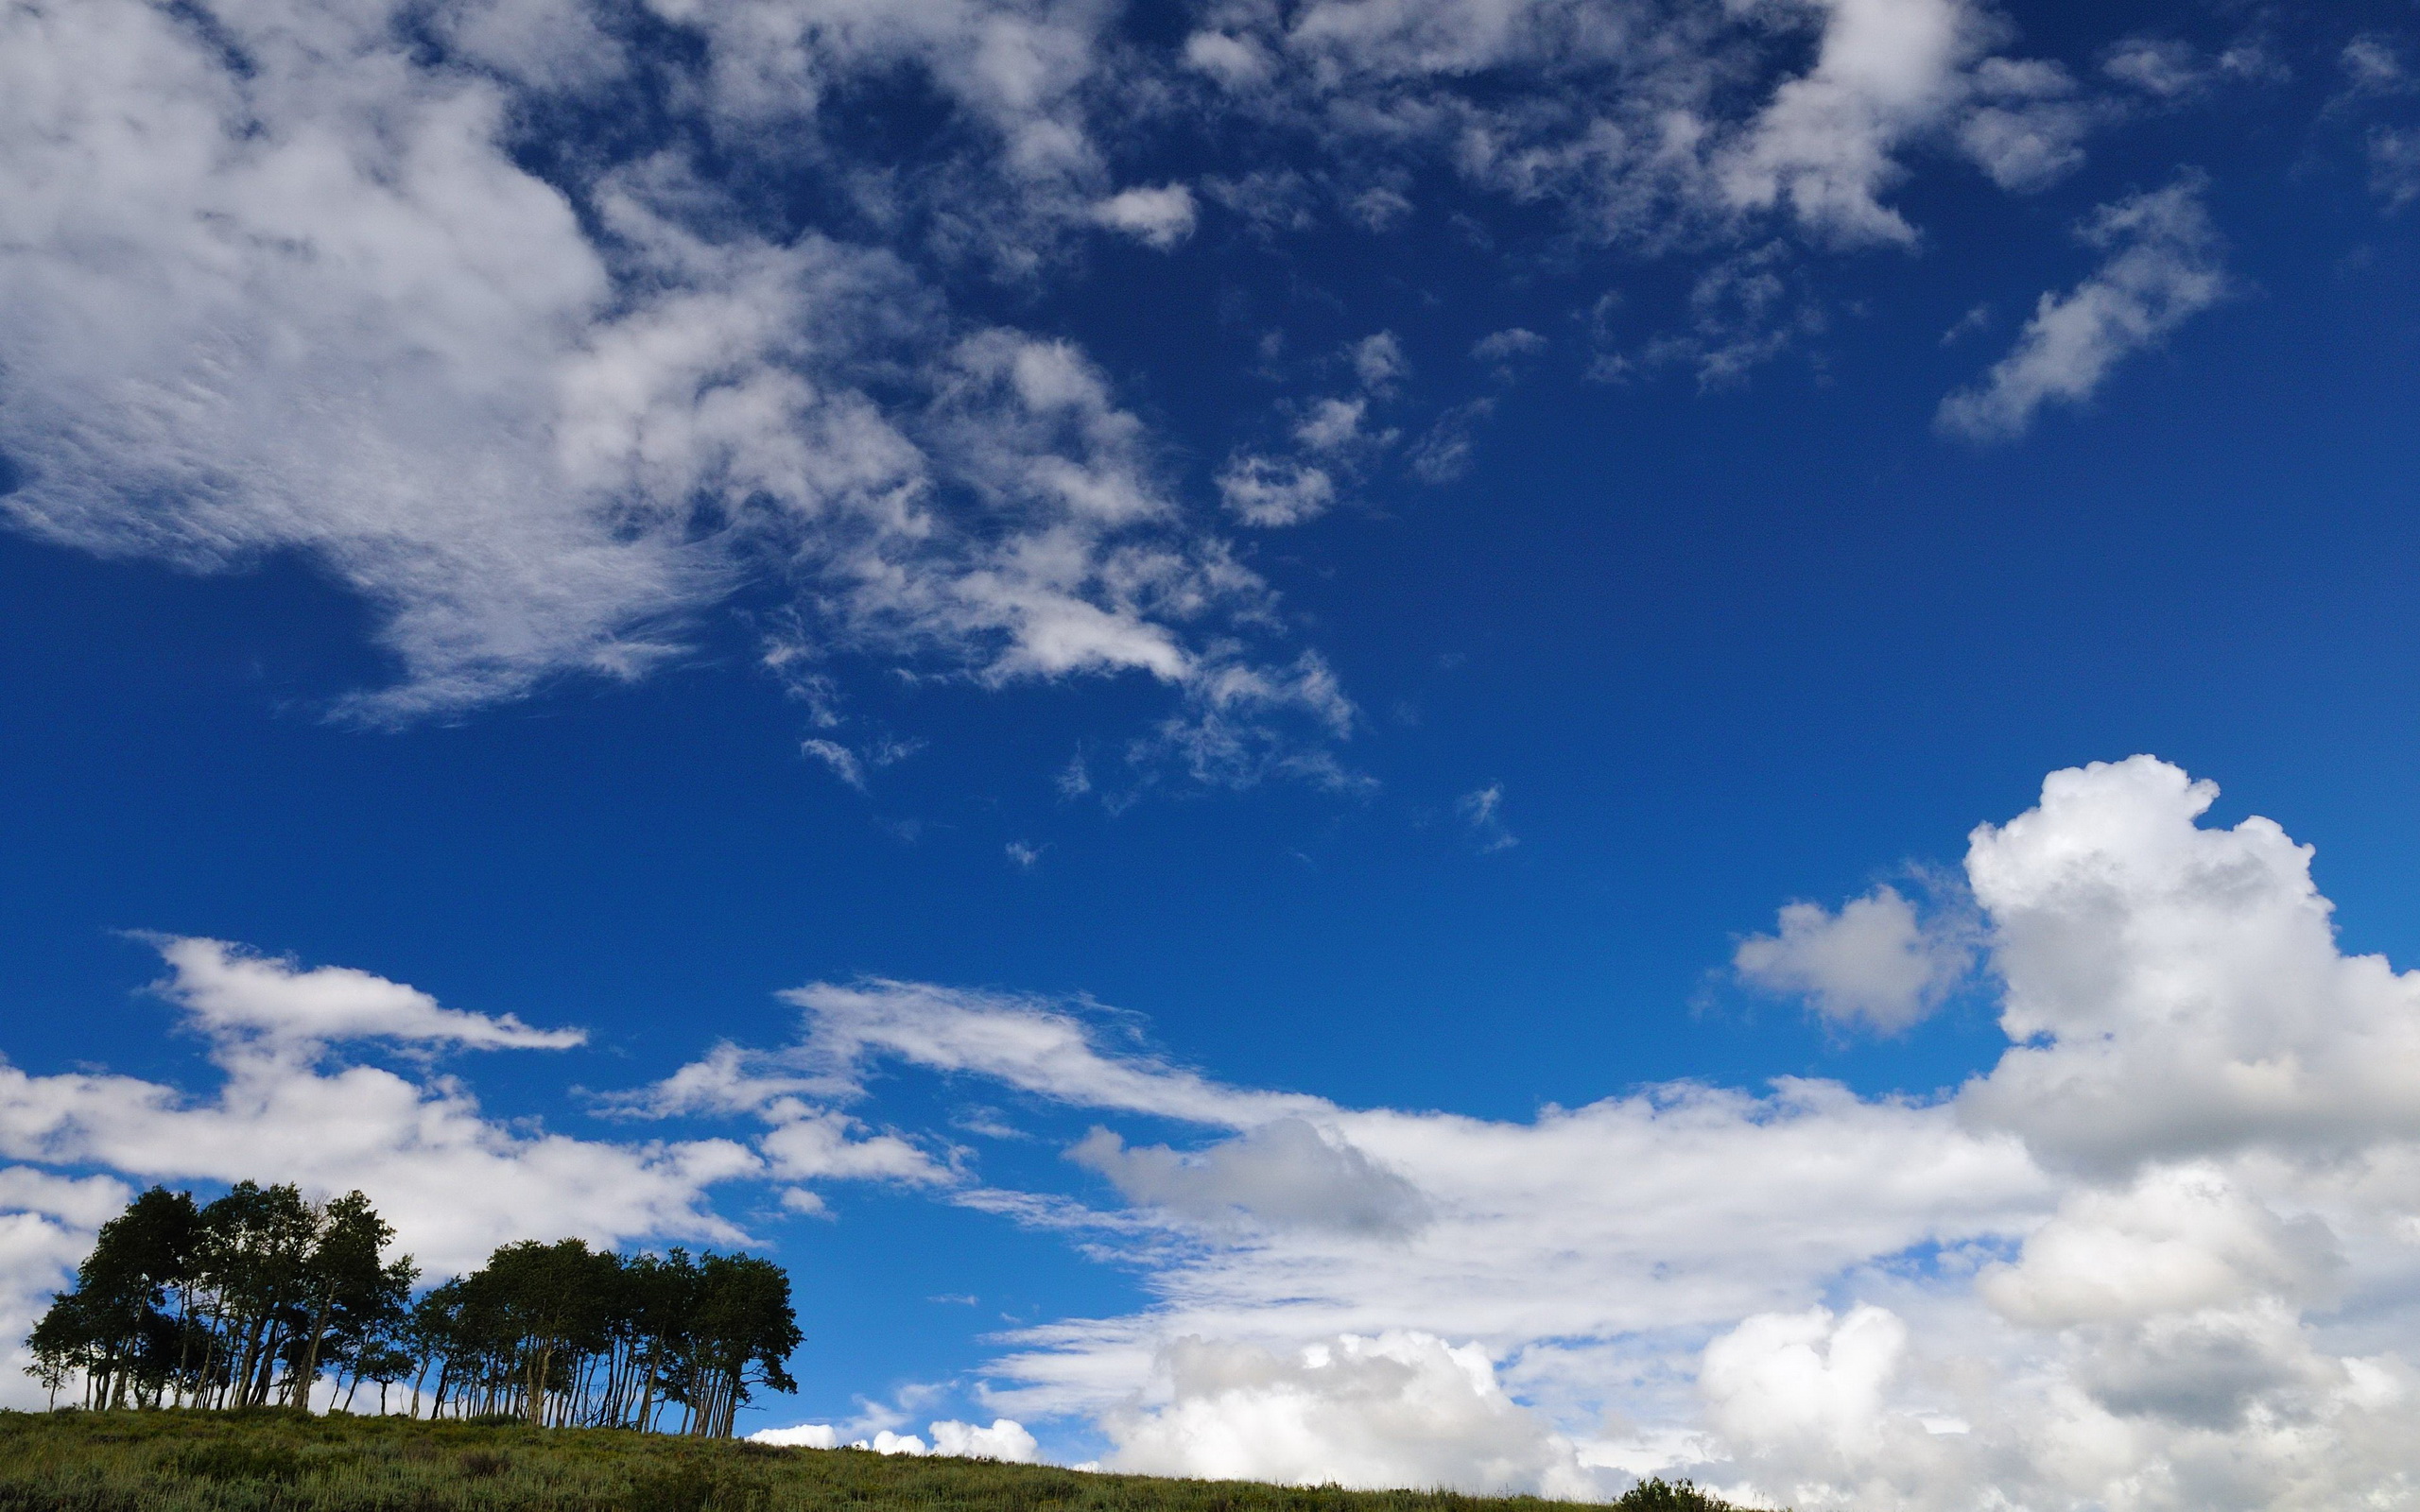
{"x": 261, "y": 1296}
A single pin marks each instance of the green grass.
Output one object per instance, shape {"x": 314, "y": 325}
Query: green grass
{"x": 275, "y": 1461}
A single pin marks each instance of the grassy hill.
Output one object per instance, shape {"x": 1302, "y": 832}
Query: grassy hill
{"x": 266, "y": 1460}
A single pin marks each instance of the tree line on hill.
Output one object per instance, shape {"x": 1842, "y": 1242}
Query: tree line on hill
{"x": 256, "y": 1297}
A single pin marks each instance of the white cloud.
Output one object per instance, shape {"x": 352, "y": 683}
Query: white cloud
{"x": 1444, "y": 454}
{"x": 1159, "y": 217}
{"x": 1402, "y": 1408}
{"x": 2161, "y": 1257}
{"x": 804, "y": 1435}
{"x": 453, "y": 1181}
{"x": 842, "y": 761}
{"x": 1332, "y": 439}
{"x": 1272, "y": 493}
{"x": 1885, "y": 71}
{"x": 1803, "y": 1379}
{"x": 285, "y": 289}
{"x": 1378, "y": 362}
{"x": 228, "y": 991}
{"x": 1872, "y": 963}
{"x": 2372, "y": 64}
{"x": 1505, "y": 345}
{"x": 2027, "y": 126}
{"x": 1003, "y": 1440}
{"x": 1030, "y": 1043}
{"x": 1284, "y": 1173}
{"x": 2175, "y": 1239}
{"x": 2160, "y": 66}
{"x": 2165, "y": 266}
{"x": 46, "y": 1227}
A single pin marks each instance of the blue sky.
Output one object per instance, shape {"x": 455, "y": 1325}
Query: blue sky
{"x": 1334, "y": 568}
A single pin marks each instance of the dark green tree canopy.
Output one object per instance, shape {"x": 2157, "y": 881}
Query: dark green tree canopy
{"x": 262, "y": 1296}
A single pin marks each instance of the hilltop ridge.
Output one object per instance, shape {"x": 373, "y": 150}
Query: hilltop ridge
{"x": 277, "y": 1460}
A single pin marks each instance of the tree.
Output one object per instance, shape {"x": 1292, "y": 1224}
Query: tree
{"x": 260, "y": 1295}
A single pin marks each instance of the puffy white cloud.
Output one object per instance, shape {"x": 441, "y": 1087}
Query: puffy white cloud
{"x": 2177, "y": 1239}
{"x": 228, "y": 991}
{"x": 2164, "y": 1255}
{"x": 1872, "y": 963}
{"x": 1159, "y": 217}
{"x": 1004, "y": 1439}
{"x": 1404, "y": 1408}
{"x": 2175, "y": 992}
{"x": 2161, "y": 1257}
{"x": 2165, "y": 266}
{"x": 804, "y": 1435}
{"x": 1885, "y": 71}
{"x": 1804, "y": 1380}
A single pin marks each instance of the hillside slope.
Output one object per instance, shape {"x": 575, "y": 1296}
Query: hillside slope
{"x": 276, "y": 1461}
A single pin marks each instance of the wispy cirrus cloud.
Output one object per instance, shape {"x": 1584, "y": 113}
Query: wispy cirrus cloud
{"x": 2164, "y": 266}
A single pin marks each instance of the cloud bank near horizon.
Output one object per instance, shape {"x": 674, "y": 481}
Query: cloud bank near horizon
{"x": 2162, "y": 1254}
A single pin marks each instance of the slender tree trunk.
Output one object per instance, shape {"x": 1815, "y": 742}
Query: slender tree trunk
{"x": 311, "y": 1356}
{"x": 646, "y": 1388}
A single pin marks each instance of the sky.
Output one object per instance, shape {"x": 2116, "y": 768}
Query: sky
{"x": 1493, "y": 742}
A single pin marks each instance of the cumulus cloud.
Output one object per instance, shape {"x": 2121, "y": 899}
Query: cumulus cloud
{"x": 1873, "y": 963}
{"x": 2159, "y": 1256}
{"x": 1003, "y": 1440}
{"x": 1159, "y": 217}
{"x": 1402, "y": 1408}
{"x": 1884, "y": 71}
{"x": 1802, "y": 1378}
{"x": 2164, "y": 266}
{"x": 2175, "y": 991}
